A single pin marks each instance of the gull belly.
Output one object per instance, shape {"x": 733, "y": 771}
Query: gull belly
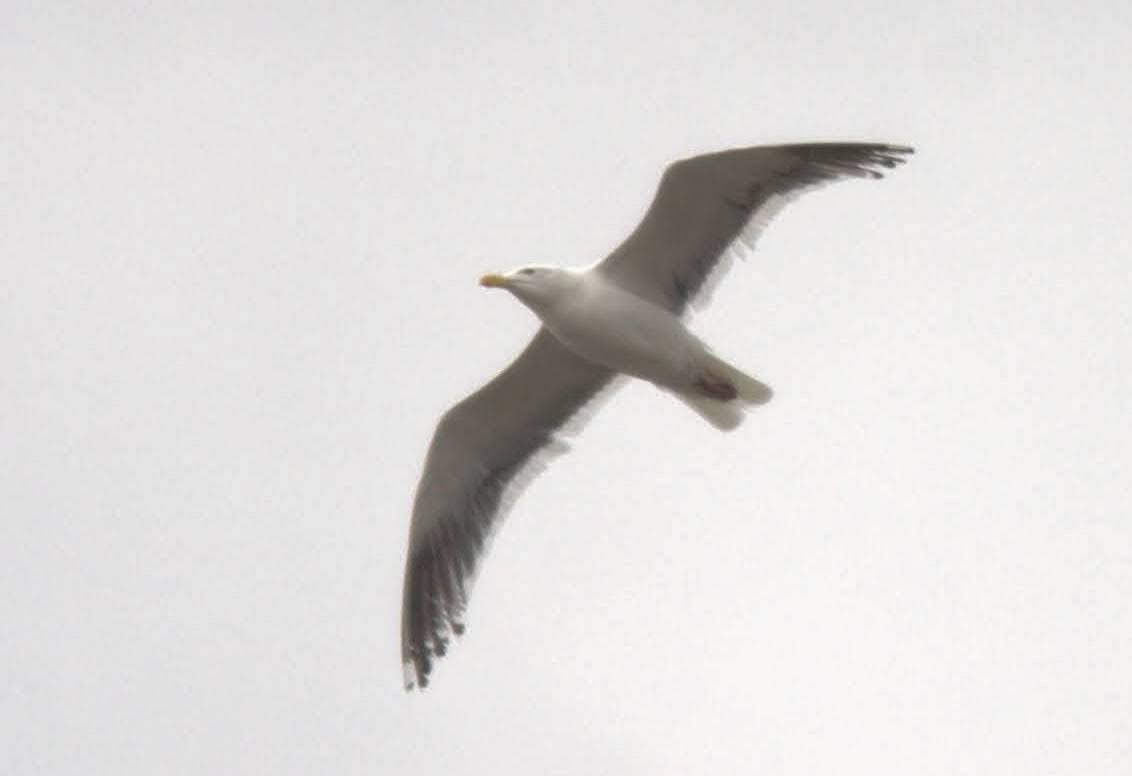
{"x": 609, "y": 326}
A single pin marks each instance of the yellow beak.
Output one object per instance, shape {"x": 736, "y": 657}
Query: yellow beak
{"x": 493, "y": 281}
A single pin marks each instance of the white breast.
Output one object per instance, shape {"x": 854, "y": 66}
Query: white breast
{"x": 609, "y": 326}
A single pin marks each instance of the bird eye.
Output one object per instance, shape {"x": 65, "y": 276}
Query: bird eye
{"x": 526, "y": 271}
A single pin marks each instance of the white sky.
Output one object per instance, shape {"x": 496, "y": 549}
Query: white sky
{"x": 239, "y": 247}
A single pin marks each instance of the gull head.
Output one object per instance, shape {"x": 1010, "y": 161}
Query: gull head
{"x": 535, "y": 286}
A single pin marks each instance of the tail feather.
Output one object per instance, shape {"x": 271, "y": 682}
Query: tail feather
{"x": 721, "y": 393}
{"x": 724, "y": 415}
{"x": 748, "y": 389}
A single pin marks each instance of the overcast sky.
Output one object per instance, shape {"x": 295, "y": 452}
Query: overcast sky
{"x": 239, "y": 246}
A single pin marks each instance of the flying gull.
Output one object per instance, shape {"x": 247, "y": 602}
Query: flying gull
{"x": 620, "y": 316}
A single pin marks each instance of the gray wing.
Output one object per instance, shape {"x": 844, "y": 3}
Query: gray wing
{"x": 483, "y": 448}
{"x": 706, "y": 202}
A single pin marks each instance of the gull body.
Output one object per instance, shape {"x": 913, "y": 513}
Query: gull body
{"x": 605, "y": 324}
{"x": 609, "y": 326}
{"x": 620, "y": 316}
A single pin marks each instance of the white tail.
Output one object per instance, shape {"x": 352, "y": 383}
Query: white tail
{"x": 748, "y": 389}
{"x": 724, "y": 415}
{"x": 721, "y": 393}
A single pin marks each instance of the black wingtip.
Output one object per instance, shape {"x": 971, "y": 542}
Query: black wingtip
{"x": 415, "y": 672}
{"x": 861, "y": 160}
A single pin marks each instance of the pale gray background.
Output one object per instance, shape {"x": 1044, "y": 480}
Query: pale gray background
{"x": 239, "y": 247}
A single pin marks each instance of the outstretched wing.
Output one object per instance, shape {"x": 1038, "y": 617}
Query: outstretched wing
{"x": 706, "y": 202}
{"x": 483, "y": 449}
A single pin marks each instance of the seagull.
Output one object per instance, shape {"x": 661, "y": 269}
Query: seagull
{"x": 623, "y": 316}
